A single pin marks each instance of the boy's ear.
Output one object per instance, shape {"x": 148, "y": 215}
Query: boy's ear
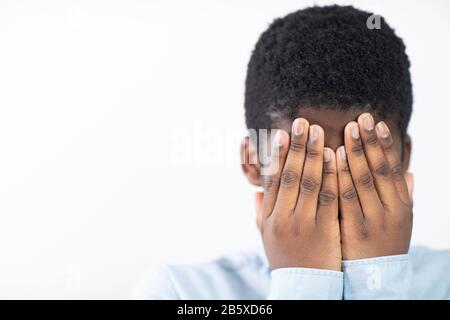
{"x": 407, "y": 145}
{"x": 249, "y": 161}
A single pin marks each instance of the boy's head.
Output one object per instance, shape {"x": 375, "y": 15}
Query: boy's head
{"x": 326, "y": 65}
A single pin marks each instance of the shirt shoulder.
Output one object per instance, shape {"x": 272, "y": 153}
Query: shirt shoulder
{"x": 238, "y": 275}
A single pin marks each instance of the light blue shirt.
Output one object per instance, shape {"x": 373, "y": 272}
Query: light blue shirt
{"x": 421, "y": 274}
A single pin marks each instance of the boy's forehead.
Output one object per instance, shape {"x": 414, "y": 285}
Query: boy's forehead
{"x": 329, "y": 119}
{"x": 332, "y": 121}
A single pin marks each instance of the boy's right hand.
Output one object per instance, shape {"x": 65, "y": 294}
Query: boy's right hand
{"x": 297, "y": 214}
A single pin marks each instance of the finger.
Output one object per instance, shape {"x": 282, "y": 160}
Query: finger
{"x": 378, "y": 163}
{"x": 272, "y": 174}
{"x": 349, "y": 202}
{"x": 259, "y": 209}
{"x": 293, "y": 167}
{"x": 360, "y": 171}
{"x": 311, "y": 179}
{"x": 327, "y": 210}
{"x": 387, "y": 144}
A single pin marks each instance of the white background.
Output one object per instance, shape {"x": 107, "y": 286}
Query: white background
{"x": 110, "y": 113}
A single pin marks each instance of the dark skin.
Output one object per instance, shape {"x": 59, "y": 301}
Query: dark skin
{"x": 340, "y": 191}
{"x": 333, "y": 123}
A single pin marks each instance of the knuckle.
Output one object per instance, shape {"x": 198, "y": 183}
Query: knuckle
{"x": 295, "y": 229}
{"x": 383, "y": 170}
{"x": 345, "y": 169}
{"x": 329, "y": 171}
{"x": 277, "y": 228}
{"x": 309, "y": 184}
{"x": 312, "y": 153}
{"x": 327, "y": 197}
{"x": 363, "y": 232}
{"x": 365, "y": 180}
{"x": 357, "y": 149}
{"x": 371, "y": 140}
{"x": 397, "y": 171}
{"x": 349, "y": 194}
{"x": 297, "y": 146}
{"x": 271, "y": 183}
{"x": 289, "y": 178}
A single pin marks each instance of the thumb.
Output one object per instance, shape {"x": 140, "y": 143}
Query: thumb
{"x": 410, "y": 183}
{"x": 258, "y": 206}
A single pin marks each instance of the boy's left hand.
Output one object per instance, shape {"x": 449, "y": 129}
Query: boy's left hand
{"x": 375, "y": 195}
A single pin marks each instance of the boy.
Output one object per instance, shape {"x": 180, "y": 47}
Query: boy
{"x": 336, "y": 212}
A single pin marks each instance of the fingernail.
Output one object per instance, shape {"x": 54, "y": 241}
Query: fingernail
{"x": 298, "y": 127}
{"x": 383, "y": 130}
{"x": 278, "y": 139}
{"x": 367, "y": 121}
{"x": 354, "y": 130}
{"x": 326, "y": 155}
{"x": 313, "y": 133}
{"x": 342, "y": 154}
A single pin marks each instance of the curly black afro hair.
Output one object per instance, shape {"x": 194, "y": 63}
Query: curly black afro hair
{"x": 327, "y": 57}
